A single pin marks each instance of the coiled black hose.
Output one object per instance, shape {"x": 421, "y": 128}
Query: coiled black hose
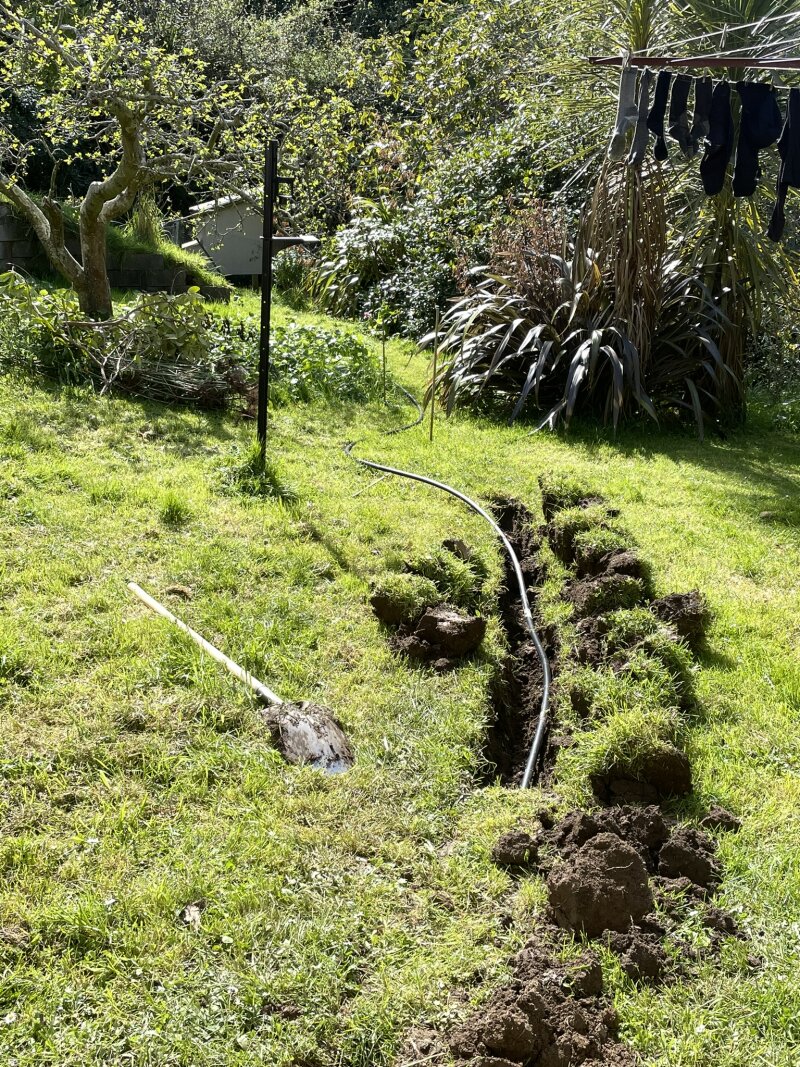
{"x": 531, "y": 767}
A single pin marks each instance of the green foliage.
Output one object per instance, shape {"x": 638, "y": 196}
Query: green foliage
{"x": 311, "y": 362}
{"x": 173, "y": 348}
{"x": 550, "y": 331}
{"x": 145, "y": 225}
{"x": 164, "y": 347}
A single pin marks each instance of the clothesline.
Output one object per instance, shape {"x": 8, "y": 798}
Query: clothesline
{"x": 711, "y": 62}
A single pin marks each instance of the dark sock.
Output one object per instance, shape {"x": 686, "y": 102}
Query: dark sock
{"x": 759, "y": 127}
{"x": 719, "y": 144}
{"x": 655, "y": 120}
{"x": 789, "y": 172}
{"x": 640, "y": 135}
{"x": 703, "y": 87}
{"x": 679, "y": 114}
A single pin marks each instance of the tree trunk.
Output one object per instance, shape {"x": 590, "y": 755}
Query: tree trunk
{"x": 94, "y": 292}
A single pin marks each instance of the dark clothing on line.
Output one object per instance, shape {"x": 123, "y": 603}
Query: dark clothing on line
{"x": 640, "y": 134}
{"x": 760, "y": 126}
{"x": 679, "y": 113}
{"x": 655, "y": 120}
{"x": 703, "y": 88}
{"x": 789, "y": 173}
{"x": 719, "y": 145}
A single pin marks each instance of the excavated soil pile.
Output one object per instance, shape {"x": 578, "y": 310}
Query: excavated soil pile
{"x": 612, "y": 580}
{"x": 607, "y": 871}
{"x": 516, "y": 693}
{"x": 551, "y": 1014}
{"x": 442, "y": 636}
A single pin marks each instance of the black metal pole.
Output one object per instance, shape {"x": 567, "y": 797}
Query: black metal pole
{"x": 270, "y": 189}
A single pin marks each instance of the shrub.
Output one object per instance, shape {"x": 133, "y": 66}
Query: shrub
{"x": 167, "y": 348}
{"x": 174, "y": 349}
{"x": 311, "y": 362}
{"x": 552, "y": 322}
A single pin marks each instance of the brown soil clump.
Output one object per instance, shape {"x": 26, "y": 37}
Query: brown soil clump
{"x": 552, "y": 1014}
{"x": 442, "y": 636}
{"x": 690, "y": 854}
{"x": 603, "y": 886}
{"x": 720, "y": 819}
{"x": 688, "y": 613}
{"x": 516, "y": 849}
{"x": 666, "y": 773}
{"x": 592, "y": 563}
{"x": 594, "y": 596}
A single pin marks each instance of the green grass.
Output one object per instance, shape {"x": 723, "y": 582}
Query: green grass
{"x": 136, "y": 778}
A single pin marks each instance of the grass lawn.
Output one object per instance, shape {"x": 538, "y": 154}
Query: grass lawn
{"x": 135, "y": 776}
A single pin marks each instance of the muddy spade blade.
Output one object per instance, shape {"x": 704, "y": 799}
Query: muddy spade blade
{"x": 307, "y": 733}
{"x": 303, "y": 733}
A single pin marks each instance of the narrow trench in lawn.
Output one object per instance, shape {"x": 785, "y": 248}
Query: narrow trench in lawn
{"x": 516, "y": 690}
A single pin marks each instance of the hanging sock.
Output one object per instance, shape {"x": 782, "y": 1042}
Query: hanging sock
{"x": 719, "y": 145}
{"x": 627, "y": 113}
{"x": 789, "y": 172}
{"x": 679, "y": 113}
{"x": 640, "y": 135}
{"x": 655, "y": 120}
{"x": 759, "y": 127}
{"x": 703, "y": 87}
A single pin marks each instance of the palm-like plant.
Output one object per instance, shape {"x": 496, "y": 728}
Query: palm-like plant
{"x": 549, "y": 330}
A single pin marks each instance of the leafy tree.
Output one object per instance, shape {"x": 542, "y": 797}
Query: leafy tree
{"x": 104, "y": 92}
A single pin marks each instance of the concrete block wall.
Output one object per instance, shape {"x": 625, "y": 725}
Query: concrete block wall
{"x": 146, "y": 272}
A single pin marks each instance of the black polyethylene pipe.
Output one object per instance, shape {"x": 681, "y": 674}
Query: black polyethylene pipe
{"x": 530, "y": 773}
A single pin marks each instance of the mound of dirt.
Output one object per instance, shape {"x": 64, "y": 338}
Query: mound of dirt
{"x": 641, "y": 952}
{"x": 605, "y": 870}
{"x": 689, "y": 853}
{"x": 552, "y": 1014}
{"x": 665, "y": 773}
{"x": 592, "y": 563}
{"x": 603, "y": 886}
{"x": 688, "y": 613}
{"x": 719, "y": 818}
{"x": 593, "y": 596}
{"x": 442, "y": 636}
{"x": 516, "y": 849}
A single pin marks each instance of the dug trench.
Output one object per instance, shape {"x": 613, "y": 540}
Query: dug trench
{"x": 516, "y": 690}
{"x": 624, "y": 875}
